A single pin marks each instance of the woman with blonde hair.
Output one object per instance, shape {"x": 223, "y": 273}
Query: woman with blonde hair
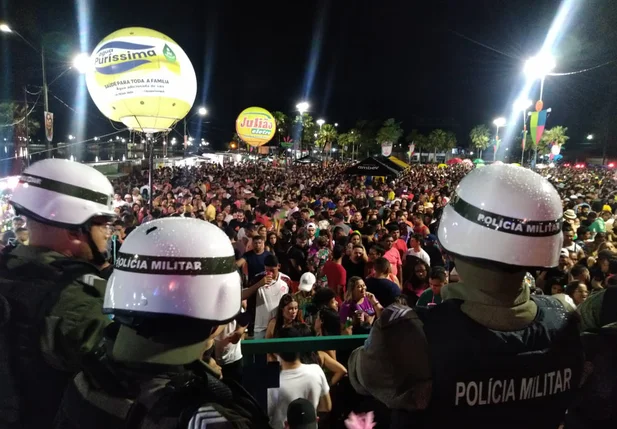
{"x": 360, "y": 308}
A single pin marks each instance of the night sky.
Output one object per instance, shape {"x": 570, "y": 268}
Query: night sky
{"x": 422, "y": 63}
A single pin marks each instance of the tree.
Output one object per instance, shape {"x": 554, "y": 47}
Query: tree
{"x": 480, "y": 137}
{"x": 308, "y": 130}
{"x": 390, "y": 132}
{"x": 419, "y": 141}
{"x": 556, "y": 135}
{"x": 282, "y": 124}
{"x": 326, "y": 135}
{"x": 450, "y": 141}
{"x": 13, "y": 120}
{"x": 437, "y": 141}
{"x": 367, "y": 135}
{"x": 349, "y": 139}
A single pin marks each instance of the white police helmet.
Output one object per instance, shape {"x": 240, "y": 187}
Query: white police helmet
{"x": 175, "y": 267}
{"x": 506, "y": 214}
{"x": 63, "y": 193}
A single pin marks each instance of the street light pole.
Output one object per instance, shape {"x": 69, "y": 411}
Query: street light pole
{"x": 524, "y": 136}
{"x": 302, "y": 107}
{"x": 202, "y": 111}
{"x": 5, "y": 28}
{"x": 499, "y": 122}
{"x": 521, "y": 105}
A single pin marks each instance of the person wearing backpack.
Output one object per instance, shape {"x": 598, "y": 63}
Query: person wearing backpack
{"x": 173, "y": 290}
{"x": 50, "y": 292}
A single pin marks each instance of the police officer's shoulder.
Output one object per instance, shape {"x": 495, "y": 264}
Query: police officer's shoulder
{"x": 563, "y": 299}
{"x": 591, "y": 311}
{"x": 93, "y": 284}
{"x": 397, "y": 314}
{"x": 217, "y": 416}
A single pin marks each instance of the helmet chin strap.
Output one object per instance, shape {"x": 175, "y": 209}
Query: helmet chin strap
{"x": 98, "y": 257}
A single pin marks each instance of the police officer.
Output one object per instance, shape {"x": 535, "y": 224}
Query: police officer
{"x": 50, "y": 294}
{"x": 491, "y": 355}
{"x": 173, "y": 288}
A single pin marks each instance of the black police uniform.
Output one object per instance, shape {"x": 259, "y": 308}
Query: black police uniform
{"x": 484, "y": 378}
{"x": 48, "y": 320}
{"x": 114, "y": 395}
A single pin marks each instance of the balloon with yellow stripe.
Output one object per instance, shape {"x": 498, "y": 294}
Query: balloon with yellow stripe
{"x": 142, "y": 78}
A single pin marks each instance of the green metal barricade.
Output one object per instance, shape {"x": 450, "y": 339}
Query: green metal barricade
{"x": 259, "y": 374}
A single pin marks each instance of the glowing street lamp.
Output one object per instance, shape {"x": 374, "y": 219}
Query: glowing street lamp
{"x": 302, "y": 107}
{"x": 201, "y": 111}
{"x": 589, "y": 136}
{"x": 538, "y": 67}
{"x": 499, "y": 122}
{"x": 81, "y": 62}
{"x": 320, "y": 122}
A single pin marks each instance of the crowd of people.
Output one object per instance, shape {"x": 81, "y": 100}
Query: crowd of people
{"x": 321, "y": 254}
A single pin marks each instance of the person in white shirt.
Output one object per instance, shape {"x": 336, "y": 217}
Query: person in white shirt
{"x": 118, "y": 201}
{"x": 297, "y": 380}
{"x": 415, "y": 249}
{"x": 227, "y": 348}
{"x": 270, "y": 286}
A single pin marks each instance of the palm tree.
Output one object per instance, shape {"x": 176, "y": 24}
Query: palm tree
{"x": 326, "y": 135}
{"x": 308, "y": 130}
{"x": 367, "y": 134}
{"x": 450, "y": 142}
{"x": 13, "y": 119}
{"x": 414, "y": 138}
{"x": 349, "y": 139}
{"x": 437, "y": 141}
{"x": 390, "y": 132}
{"x": 281, "y": 121}
{"x": 480, "y": 137}
{"x": 553, "y": 136}
{"x": 556, "y": 135}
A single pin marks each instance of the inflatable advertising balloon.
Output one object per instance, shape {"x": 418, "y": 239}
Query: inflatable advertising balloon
{"x": 255, "y": 126}
{"x": 142, "y": 78}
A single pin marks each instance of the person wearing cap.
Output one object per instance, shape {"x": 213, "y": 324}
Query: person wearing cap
{"x": 476, "y": 356}
{"x": 339, "y": 222}
{"x": 301, "y": 414}
{"x": 53, "y": 286}
{"x": 171, "y": 294}
{"x": 304, "y": 296}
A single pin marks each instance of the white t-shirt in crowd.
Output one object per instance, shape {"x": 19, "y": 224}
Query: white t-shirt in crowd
{"x": 231, "y": 352}
{"x": 421, "y": 254}
{"x": 573, "y": 248}
{"x": 268, "y": 298}
{"x": 306, "y": 381}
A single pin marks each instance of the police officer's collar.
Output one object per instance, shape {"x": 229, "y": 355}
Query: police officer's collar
{"x": 495, "y": 299}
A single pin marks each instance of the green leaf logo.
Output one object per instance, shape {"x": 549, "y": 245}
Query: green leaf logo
{"x": 169, "y": 54}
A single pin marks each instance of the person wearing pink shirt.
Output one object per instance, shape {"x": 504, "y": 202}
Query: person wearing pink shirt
{"x": 393, "y": 256}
